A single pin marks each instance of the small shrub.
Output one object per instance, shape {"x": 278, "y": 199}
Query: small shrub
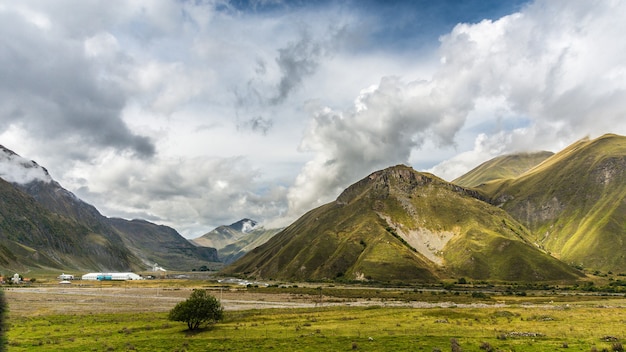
{"x": 486, "y": 346}
{"x": 617, "y": 347}
{"x": 454, "y": 345}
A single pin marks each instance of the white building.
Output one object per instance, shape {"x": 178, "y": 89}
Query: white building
{"x": 65, "y": 276}
{"x": 111, "y": 276}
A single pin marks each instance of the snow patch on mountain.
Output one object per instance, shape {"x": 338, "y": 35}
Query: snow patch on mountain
{"x": 15, "y": 169}
{"x": 244, "y": 225}
{"x": 248, "y": 226}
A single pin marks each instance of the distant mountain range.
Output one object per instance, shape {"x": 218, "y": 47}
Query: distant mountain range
{"x": 42, "y": 225}
{"x": 234, "y": 240}
{"x": 224, "y": 235}
{"x": 520, "y": 217}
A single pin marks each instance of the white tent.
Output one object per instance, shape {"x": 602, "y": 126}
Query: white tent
{"x": 111, "y": 276}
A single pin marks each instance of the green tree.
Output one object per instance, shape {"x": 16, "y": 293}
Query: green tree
{"x": 200, "y": 308}
{"x": 3, "y": 310}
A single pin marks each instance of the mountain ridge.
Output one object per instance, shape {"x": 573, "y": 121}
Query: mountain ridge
{"x": 502, "y": 167}
{"x": 47, "y": 226}
{"x": 372, "y": 230}
{"x": 574, "y": 202}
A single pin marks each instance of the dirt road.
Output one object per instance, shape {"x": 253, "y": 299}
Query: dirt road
{"x": 28, "y": 301}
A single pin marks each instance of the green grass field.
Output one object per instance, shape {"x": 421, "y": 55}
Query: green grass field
{"x": 511, "y": 323}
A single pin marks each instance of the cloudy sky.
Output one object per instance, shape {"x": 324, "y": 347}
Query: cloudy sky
{"x": 195, "y": 114}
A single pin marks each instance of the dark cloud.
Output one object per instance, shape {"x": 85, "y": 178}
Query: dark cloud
{"x": 259, "y": 124}
{"x": 51, "y": 89}
{"x": 296, "y": 61}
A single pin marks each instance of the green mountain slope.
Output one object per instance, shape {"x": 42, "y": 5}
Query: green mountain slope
{"x": 401, "y": 225}
{"x": 574, "y": 202}
{"x": 502, "y": 167}
{"x": 162, "y": 245}
{"x": 32, "y": 236}
{"x": 44, "y": 225}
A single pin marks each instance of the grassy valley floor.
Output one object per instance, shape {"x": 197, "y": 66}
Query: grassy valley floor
{"x": 133, "y": 317}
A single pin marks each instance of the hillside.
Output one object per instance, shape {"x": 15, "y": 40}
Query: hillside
{"x": 234, "y": 240}
{"x": 401, "y": 225}
{"x": 250, "y": 241}
{"x": 44, "y": 225}
{"x": 574, "y": 202}
{"x": 224, "y": 235}
{"x": 33, "y": 236}
{"x": 502, "y": 167}
{"x": 162, "y": 245}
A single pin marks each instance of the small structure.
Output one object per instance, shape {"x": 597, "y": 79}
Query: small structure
{"x": 111, "y": 276}
{"x": 65, "y": 277}
{"x": 156, "y": 268}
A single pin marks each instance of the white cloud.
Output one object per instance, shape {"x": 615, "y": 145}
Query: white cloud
{"x": 15, "y": 169}
{"x": 555, "y": 67}
{"x": 179, "y": 192}
{"x": 149, "y": 109}
{"x": 556, "y": 64}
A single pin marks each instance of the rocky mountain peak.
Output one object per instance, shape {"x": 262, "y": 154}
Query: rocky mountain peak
{"x": 379, "y": 183}
{"x": 244, "y": 225}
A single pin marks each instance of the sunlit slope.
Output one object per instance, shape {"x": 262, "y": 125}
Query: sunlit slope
{"x": 401, "y": 225}
{"x": 502, "y": 167}
{"x": 574, "y": 202}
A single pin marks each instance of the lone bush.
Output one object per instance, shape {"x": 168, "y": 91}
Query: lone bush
{"x": 200, "y": 308}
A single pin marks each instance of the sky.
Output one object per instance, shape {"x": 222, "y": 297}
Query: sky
{"x": 195, "y": 114}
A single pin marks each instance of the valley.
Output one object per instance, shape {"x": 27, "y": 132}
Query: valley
{"x": 125, "y": 316}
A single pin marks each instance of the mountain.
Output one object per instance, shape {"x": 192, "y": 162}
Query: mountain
{"x": 573, "y": 202}
{"x": 224, "y": 235}
{"x": 33, "y": 236}
{"x": 234, "y": 240}
{"x": 502, "y": 167}
{"x": 401, "y": 225}
{"x": 244, "y": 225}
{"x": 250, "y": 241}
{"x": 162, "y": 245}
{"x": 41, "y": 219}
